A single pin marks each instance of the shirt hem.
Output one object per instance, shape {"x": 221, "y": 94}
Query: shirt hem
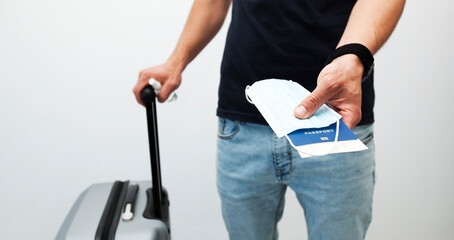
{"x": 253, "y": 118}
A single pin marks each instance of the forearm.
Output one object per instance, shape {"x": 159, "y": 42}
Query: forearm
{"x": 204, "y": 21}
{"x": 339, "y": 83}
{"x": 372, "y": 22}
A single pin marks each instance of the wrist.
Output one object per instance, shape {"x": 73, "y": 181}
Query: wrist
{"x": 178, "y": 61}
{"x": 352, "y": 63}
{"x": 361, "y": 51}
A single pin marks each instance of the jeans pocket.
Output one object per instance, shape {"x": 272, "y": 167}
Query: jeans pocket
{"x": 228, "y": 128}
{"x": 366, "y": 140}
{"x": 365, "y": 133}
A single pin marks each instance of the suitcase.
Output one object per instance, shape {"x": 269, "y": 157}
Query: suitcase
{"x": 124, "y": 210}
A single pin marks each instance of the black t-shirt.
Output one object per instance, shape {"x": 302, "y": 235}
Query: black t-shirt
{"x": 284, "y": 39}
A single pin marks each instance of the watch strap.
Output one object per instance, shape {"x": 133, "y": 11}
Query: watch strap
{"x": 359, "y": 50}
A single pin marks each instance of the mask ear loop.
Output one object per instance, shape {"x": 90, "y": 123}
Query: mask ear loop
{"x": 157, "y": 88}
{"x": 245, "y": 93}
{"x": 334, "y": 143}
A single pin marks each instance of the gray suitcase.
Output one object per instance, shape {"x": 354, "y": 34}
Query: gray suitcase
{"x": 124, "y": 210}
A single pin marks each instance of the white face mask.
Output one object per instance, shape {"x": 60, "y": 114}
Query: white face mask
{"x": 276, "y": 99}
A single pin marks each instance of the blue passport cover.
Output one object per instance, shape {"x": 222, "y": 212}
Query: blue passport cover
{"x": 320, "y": 135}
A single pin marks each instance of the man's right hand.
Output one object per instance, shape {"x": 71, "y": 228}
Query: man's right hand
{"x": 168, "y": 74}
{"x": 204, "y": 21}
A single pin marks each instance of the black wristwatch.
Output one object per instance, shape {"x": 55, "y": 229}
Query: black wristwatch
{"x": 359, "y": 50}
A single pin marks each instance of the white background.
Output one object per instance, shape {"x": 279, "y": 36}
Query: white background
{"x": 68, "y": 117}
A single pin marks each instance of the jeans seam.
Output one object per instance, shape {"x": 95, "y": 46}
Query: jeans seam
{"x": 290, "y": 156}
{"x": 277, "y": 171}
{"x": 276, "y": 212}
{"x": 370, "y": 207}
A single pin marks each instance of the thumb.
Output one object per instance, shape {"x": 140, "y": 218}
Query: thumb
{"x": 167, "y": 89}
{"x": 312, "y": 103}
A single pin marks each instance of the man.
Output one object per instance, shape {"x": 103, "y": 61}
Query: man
{"x": 289, "y": 39}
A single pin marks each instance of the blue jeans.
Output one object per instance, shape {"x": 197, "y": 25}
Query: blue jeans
{"x": 254, "y": 169}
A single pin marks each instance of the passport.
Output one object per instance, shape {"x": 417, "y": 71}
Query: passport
{"x": 316, "y": 136}
{"x": 313, "y": 141}
{"x": 320, "y": 135}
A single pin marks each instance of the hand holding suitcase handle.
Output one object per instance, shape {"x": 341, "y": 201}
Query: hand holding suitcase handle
{"x": 148, "y": 98}
{"x": 148, "y": 95}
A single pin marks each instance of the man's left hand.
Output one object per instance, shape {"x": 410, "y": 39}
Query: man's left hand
{"x": 339, "y": 86}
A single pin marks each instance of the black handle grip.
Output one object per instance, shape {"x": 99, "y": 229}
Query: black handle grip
{"x": 148, "y": 98}
{"x": 147, "y": 95}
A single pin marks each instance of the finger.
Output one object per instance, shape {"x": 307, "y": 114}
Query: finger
{"x": 332, "y": 107}
{"x": 350, "y": 118}
{"x": 137, "y": 90}
{"x": 141, "y": 83}
{"x": 313, "y": 102}
{"x": 166, "y": 90}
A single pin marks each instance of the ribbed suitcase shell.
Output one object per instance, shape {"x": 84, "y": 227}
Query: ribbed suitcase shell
{"x": 83, "y": 219}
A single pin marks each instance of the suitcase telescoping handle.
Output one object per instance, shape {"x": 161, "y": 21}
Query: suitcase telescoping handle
{"x": 148, "y": 98}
